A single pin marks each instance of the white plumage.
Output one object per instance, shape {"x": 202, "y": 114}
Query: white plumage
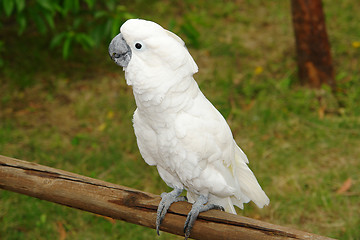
{"x": 177, "y": 129}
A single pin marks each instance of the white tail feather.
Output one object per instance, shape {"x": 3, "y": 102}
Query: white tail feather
{"x": 247, "y": 181}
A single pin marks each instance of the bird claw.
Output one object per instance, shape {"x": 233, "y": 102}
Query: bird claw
{"x": 190, "y": 220}
{"x": 166, "y": 200}
{"x": 174, "y": 196}
{"x": 197, "y": 208}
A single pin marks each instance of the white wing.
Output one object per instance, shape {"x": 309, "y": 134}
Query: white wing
{"x": 230, "y": 181}
{"x": 144, "y": 135}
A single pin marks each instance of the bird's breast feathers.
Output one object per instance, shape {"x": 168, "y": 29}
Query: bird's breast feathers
{"x": 195, "y": 145}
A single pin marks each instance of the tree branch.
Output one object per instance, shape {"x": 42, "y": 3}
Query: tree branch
{"x": 131, "y": 205}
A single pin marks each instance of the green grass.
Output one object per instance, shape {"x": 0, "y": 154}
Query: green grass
{"x": 302, "y": 144}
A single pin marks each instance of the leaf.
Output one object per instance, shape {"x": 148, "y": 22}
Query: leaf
{"x": 8, "y": 6}
{"x": 97, "y": 34}
{"x": 107, "y": 27}
{"x": 127, "y": 15}
{"x": 21, "y": 20}
{"x": 321, "y": 112}
{"x": 20, "y": 5}
{"x": 48, "y": 5}
{"x": 113, "y": 221}
{"x": 99, "y": 14}
{"x": 50, "y": 19}
{"x": 76, "y": 6}
{"x": 61, "y": 230}
{"x": 57, "y": 39}
{"x": 84, "y": 40}
{"x": 68, "y": 4}
{"x": 110, "y": 5}
{"x": 39, "y": 22}
{"x": 115, "y": 26}
{"x": 345, "y": 187}
{"x": 90, "y": 3}
{"x": 67, "y": 45}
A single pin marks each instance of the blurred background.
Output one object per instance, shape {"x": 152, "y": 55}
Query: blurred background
{"x": 65, "y": 104}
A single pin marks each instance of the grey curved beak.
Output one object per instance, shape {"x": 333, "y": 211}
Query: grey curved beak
{"x": 120, "y": 51}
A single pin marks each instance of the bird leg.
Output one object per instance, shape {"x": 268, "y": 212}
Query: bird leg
{"x": 166, "y": 200}
{"x": 198, "y": 207}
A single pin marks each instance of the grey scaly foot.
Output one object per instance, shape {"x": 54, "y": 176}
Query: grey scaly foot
{"x": 197, "y": 208}
{"x": 166, "y": 200}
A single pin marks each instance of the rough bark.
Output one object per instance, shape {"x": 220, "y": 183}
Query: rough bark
{"x": 312, "y": 45}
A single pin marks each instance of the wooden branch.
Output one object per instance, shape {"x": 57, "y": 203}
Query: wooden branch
{"x": 131, "y": 205}
{"x": 312, "y": 44}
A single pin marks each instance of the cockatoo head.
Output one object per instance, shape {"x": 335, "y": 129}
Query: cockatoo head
{"x": 147, "y": 45}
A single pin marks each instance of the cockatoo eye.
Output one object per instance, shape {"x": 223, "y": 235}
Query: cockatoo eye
{"x": 138, "y": 45}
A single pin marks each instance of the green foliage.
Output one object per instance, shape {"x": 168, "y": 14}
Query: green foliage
{"x": 69, "y": 23}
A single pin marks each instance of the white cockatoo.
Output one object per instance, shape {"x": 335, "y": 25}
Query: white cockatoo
{"x": 178, "y": 130}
